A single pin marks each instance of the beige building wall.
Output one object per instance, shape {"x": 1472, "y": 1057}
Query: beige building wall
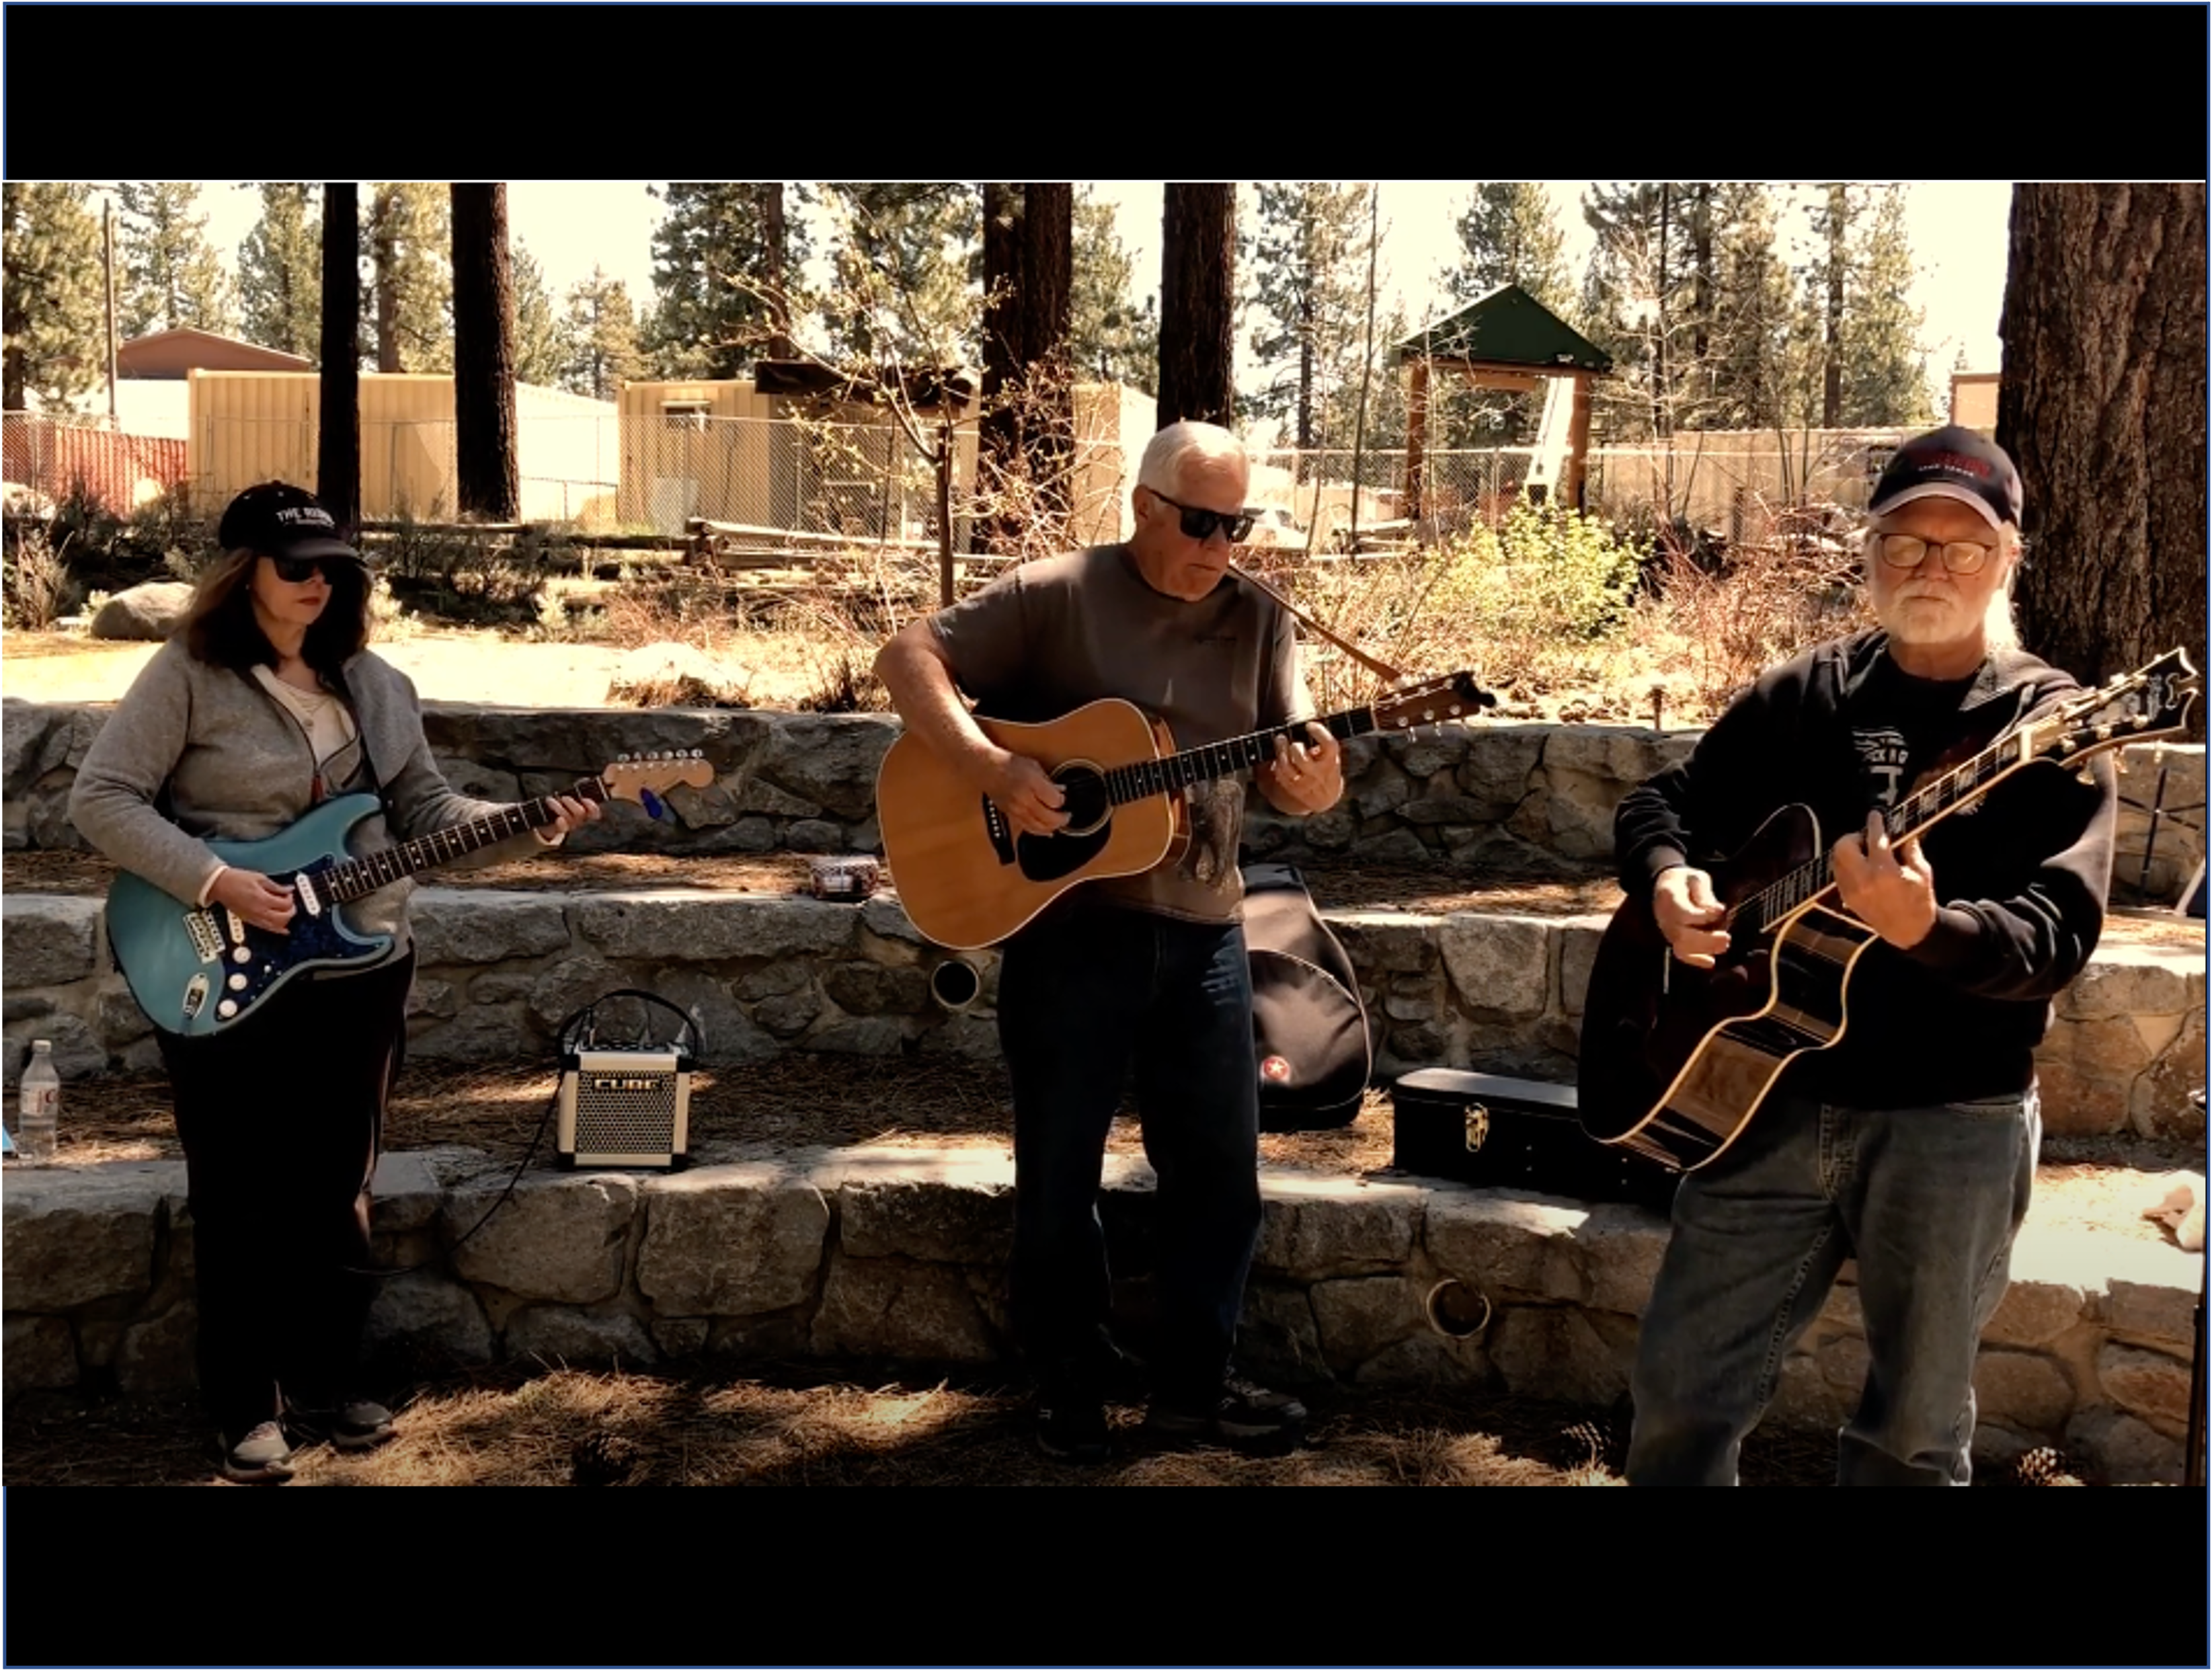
{"x": 1974, "y": 400}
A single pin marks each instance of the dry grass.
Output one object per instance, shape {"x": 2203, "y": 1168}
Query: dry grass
{"x": 549, "y": 1424}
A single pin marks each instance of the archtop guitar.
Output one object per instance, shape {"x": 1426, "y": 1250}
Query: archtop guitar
{"x": 1676, "y": 1060}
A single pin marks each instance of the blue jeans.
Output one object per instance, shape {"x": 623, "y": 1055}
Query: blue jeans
{"x": 1927, "y": 1199}
{"x": 1085, "y": 995}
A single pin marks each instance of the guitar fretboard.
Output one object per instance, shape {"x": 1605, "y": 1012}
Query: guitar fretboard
{"x": 1223, "y": 759}
{"x": 1909, "y": 817}
{"x": 357, "y": 877}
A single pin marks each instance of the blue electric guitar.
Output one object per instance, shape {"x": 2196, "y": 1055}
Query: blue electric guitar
{"x": 199, "y": 970}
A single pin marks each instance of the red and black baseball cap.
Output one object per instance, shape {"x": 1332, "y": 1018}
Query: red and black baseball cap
{"x": 279, "y": 519}
{"x": 1952, "y": 463}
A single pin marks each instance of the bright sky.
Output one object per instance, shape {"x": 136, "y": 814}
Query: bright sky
{"x": 1958, "y": 229}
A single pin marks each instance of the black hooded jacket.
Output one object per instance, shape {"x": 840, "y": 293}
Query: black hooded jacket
{"x": 2020, "y": 874}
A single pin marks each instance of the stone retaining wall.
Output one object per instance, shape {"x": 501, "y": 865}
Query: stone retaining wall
{"x": 900, "y": 1253}
{"x": 1513, "y": 797}
{"x": 498, "y": 972}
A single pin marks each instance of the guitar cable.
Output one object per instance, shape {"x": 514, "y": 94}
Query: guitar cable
{"x": 564, "y": 1033}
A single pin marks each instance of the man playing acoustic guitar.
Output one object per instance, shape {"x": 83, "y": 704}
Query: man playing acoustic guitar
{"x": 1911, "y": 1143}
{"x": 1145, "y": 971}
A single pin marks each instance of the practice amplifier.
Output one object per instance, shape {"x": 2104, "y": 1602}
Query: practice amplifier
{"x": 625, "y": 1107}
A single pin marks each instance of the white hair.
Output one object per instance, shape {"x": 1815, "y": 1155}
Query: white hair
{"x": 1161, "y": 467}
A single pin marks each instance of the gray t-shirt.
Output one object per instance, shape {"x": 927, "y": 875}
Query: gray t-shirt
{"x": 1047, "y": 637}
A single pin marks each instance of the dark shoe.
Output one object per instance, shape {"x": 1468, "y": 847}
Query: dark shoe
{"x": 1071, "y": 1420}
{"x": 262, "y": 1456}
{"x": 1242, "y": 1414}
{"x": 355, "y": 1425}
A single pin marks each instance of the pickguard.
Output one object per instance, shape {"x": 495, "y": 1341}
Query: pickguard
{"x": 269, "y": 959}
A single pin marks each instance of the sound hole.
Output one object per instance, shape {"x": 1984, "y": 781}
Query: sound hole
{"x": 1090, "y": 826}
{"x": 1086, "y": 802}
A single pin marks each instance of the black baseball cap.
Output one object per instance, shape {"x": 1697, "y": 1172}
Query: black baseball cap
{"x": 1952, "y": 463}
{"x": 279, "y": 519}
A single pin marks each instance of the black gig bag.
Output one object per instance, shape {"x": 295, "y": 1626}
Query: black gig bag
{"x": 1309, "y": 1026}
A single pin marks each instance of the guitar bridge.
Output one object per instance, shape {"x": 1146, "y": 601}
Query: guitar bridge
{"x": 994, "y": 826}
{"x": 206, "y": 937}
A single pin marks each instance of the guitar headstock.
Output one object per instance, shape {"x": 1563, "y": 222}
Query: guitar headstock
{"x": 2152, "y": 701}
{"x": 637, "y": 777}
{"x": 1456, "y": 696}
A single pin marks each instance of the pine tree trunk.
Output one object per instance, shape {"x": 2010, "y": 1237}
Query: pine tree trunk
{"x": 773, "y": 240}
{"x": 1832, "y": 370}
{"x": 337, "y": 446}
{"x": 384, "y": 253}
{"x": 1047, "y": 314}
{"x": 999, "y": 438}
{"x": 1198, "y": 272}
{"x": 2102, "y": 406}
{"x": 483, "y": 355}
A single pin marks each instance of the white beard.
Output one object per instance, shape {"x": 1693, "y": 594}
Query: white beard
{"x": 1927, "y": 618}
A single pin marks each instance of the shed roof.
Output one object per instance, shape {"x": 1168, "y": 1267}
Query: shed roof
{"x": 171, "y": 354}
{"x": 1508, "y": 327}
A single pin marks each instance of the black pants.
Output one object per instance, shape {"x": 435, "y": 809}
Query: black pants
{"x": 282, "y": 1120}
{"x": 1084, "y": 997}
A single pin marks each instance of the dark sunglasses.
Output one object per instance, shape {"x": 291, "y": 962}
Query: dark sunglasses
{"x": 298, "y": 570}
{"x": 1235, "y": 524}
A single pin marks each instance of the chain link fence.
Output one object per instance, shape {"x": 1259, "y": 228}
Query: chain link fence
{"x": 48, "y": 457}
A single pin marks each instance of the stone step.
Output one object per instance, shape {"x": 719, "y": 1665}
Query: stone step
{"x": 497, "y": 971}
{"x": 898, "y": 1252}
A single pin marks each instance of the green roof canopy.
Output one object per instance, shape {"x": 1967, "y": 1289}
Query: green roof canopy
{"x": 1508, "y": 327}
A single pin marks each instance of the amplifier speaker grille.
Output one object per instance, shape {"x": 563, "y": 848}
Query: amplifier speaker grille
{"x": 624, "y": 1107}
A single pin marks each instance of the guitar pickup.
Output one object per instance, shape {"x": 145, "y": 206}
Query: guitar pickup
{"x": 994, "y": 825}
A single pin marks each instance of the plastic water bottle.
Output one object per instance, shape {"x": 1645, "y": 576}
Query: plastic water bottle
{"x": 41, "y": 1106}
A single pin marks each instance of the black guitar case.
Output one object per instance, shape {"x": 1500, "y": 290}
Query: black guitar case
{"x": 1315, "y": 1053}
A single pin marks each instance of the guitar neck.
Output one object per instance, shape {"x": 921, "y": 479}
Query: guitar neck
{"x": 1223, "y": 759}
{"x": 357, "y": 877}
{"x": 1911, "y": 816}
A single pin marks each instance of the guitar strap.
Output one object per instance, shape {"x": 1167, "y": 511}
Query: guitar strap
{"x": 1382, "y": 669}
{"x": 360, "y": 732}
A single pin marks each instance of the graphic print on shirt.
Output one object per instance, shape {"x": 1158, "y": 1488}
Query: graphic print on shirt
{"x": 1884, "y": 756}
{"x": 1217, "y": 821}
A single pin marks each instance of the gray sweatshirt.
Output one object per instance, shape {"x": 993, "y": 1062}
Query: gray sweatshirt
{"x": 239, "y": 767}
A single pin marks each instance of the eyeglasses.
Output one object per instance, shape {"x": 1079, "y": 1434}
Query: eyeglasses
{"x": 1235, "y": 524}
{"x": 1960, "y": 556}
{"x": 298, "y": 570}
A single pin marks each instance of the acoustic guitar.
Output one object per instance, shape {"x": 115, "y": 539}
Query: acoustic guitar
{"x": 968, "y": 879}
{"x": 197, "y": 969}
{"x": 1676, "y": 1060}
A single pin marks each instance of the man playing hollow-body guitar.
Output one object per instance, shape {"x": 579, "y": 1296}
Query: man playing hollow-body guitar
{"x": 1911, "y": 1143}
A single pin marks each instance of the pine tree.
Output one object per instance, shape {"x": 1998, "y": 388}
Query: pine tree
{"x": 1197, "y": 291}
{"x": 172, "y": 276}
{"x": 1752, "y": 313}
{"x": 408, "y": 307}
{"x": 537, "y": 349}
{"x": 599, "y": 348}
{"x": 53, "y": 301}
{"x": 907, "y": 261}
{"x": 1885, "y": 367}
{"x": 1112, "y": 338}
{"x": 1308, "y": 275}
{"x": 280, "y": 278}
{"x": 715, "y": 275}
{"x": 483, "y": 352}
{"x": 1510, "y": 234}
{"x": 1640, "y": 306}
